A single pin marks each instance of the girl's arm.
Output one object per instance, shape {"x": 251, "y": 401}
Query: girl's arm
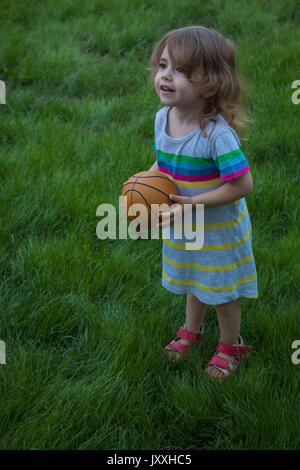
{"x": 154, "y": 167}
{"x": 229, "y": 192}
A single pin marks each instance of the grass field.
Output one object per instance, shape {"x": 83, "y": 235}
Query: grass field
{"x": 84, "y": 320}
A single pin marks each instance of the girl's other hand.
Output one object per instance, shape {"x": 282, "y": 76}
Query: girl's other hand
{"x": 165, "y": 219}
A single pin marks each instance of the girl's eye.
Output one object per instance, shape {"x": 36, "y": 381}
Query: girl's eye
{"x": 162, "y": 65}
{"x": 179, "y": 69}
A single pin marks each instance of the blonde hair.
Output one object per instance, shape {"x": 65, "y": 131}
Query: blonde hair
{"x": 204, "y": 52}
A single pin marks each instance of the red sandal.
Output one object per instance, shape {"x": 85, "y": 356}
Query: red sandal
{"x": 183, "y": 333}
{"x": 238, "y": 351}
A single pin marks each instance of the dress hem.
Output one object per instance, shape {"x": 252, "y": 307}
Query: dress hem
{"x": 191, "y": 290}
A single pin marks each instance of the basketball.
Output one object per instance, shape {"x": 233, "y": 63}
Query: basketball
{"x": 148, "y": 187}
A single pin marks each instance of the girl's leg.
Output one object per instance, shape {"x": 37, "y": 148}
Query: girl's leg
{"x": 229, "y": 318}
{"x": 195, "y": 311}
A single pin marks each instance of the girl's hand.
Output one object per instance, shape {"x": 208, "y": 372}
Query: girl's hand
{"x": 167, "y": 218}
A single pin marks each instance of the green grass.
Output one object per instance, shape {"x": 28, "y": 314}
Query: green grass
{"x": 85, "y": 321}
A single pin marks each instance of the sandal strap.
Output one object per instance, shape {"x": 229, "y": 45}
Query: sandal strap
{"x": 218, "y": 362}
{"x": 189, "y": 335}
{"x": 176, "y": 346}
{"x": 222, "y": 364}
{"x": 233, "y": 350}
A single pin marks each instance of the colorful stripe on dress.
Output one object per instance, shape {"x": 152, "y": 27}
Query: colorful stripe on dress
{"x": 232, "y": 164}
{"x": 197, "y": 172}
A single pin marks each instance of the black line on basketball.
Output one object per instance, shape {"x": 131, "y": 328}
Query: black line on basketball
{"x": 134, "y": 190}
{"x": 154, "y": 176}
{"x": 148, "y": 186}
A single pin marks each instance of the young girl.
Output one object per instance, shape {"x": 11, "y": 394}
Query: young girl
{"x": 197, "y": 146}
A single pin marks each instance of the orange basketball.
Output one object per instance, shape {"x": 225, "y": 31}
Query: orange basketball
{"x": 148, "y": 187}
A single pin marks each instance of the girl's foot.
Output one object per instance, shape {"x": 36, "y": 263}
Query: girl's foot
{"x": 215, "y": 372}
{"x": 175, "y": 355}
{"x": 180, "y": 346}
{"x": 226, "y": 359}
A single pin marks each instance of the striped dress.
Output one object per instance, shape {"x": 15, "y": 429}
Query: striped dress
{"x": 223, "y": 269}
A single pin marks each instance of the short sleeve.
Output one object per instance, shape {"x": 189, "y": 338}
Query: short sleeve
{"x": 155, "y": 133}
{"x": 228, "y": 156}
{"x": 158, "y": 126}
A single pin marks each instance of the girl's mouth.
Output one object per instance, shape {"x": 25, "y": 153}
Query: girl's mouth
{"x": 166, "y": 90}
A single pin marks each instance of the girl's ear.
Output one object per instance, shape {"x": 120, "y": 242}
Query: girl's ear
{"x": 208, "y": 94}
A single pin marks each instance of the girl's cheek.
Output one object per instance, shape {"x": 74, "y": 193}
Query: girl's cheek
{"x": 156, "y": 83}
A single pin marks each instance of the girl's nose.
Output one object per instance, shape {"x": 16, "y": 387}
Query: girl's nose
{"x": 167, "y": 73}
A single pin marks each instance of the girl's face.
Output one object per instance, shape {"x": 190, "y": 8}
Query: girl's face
{"x": 173, "y": 87}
